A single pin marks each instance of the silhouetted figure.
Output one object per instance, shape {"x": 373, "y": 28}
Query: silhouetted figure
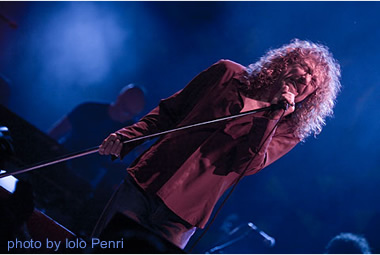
{"x": 89, "y": 123}
{"x": 85, "y": 127}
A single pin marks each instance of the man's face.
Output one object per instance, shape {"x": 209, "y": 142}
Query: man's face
{"x": 298, "y": 77}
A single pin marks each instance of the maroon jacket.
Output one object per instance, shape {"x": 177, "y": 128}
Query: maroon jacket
{"x": 190, "y": 169}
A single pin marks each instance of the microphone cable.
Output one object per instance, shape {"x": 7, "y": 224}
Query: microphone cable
{"x": 284, "y": 107}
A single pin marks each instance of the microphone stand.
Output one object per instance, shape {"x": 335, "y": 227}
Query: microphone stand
{"x": 229, "y": 243}
{"x": 96, "y": 148}
{"x": 268, "y": 241}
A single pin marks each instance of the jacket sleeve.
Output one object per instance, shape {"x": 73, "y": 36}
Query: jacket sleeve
{"x": 264, "y": 146}
{"x": 170, "y": 111}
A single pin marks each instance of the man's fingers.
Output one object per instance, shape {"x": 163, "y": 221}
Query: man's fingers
{"x": 289, "y": 97}
{"x": 116, "y": 148}
{"x": 102, "y": 146}
{"x": 108, "y": 145}
{"x": 285, "y": 88}
{"x": 108, "y": 148}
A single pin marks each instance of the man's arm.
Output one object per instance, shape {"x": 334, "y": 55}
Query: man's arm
{"x": 65, "y": 125}
{"x": 168, "y": 113}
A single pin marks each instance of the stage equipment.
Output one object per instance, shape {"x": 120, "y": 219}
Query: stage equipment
{"x": 240, "y": 233}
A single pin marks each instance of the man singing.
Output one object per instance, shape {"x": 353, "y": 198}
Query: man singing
{"x": 173, "y": 187}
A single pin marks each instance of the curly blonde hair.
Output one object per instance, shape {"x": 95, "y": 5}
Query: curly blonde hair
{"x": 310, "y": 114}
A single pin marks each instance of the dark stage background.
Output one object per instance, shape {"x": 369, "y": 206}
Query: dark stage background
{"x": 66, "y": 53}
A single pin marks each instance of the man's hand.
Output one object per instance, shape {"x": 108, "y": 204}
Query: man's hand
{"x": 284, "y": 94}
{"x": 111, "y": 145}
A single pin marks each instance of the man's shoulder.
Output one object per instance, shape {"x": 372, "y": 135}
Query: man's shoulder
{"x": 231, "y": 65}
{"x": 88, "y": 108}
{"x": 91, "y": 105}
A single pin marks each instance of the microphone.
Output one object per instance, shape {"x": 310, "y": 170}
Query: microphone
{"x": 284, "y": 105}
